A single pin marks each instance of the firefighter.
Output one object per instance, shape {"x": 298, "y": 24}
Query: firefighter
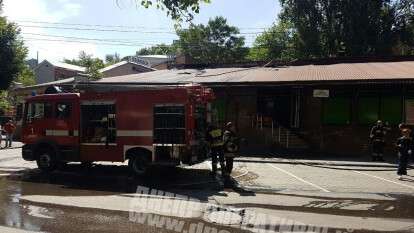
{"x": 9, "y": 127}
{"x": 404, "y": 146}
{"x": 231, "y": 146}
{"x": 403, "y": 126}
{"x": 215, "y": 140}
{"x": 377, "y": 136}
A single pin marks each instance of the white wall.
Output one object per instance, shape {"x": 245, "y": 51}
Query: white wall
{"x": 44, "y": 73}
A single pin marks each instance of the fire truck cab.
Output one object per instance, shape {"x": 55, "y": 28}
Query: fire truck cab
{"x": 146, "y": 126}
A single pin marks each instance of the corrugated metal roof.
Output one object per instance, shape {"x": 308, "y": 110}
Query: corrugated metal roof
{"x": 68, "y": 66}
{"x": 308, "y": 73}
{"x": 121, "y": 63}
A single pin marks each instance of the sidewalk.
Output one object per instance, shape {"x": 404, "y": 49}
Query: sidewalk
{"x": 4, "y": 229}
{"x": 15, "y": 145}
{"x": 323, "y": 162}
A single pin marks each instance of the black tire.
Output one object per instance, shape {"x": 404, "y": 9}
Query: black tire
{"x": 46, "y": 160}
{"x": 139, "y": 164}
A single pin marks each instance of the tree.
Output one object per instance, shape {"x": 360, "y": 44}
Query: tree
{"x": 278, "y": 42}
{"x": 12, "y": 52}
{"x": 160, "y": 49}
{"x": 215, "y": 43}
{"x": 404, "y": 27}
{"x": 4, "y": 102}
{"x": 330, "y": 28}
{"x": 177, "y": 9}
{"x": 111, "y": 59}
{"x": 93, "y": 65}
{"x": 26, "y": 77}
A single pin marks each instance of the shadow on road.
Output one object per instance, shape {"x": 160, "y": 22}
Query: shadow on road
{"x": 100, "y": 180}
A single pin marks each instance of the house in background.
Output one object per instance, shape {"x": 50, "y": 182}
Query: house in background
{"x": 153, "y": 61}
{"x": 32, "y": 63}
{"x": 48, "y": 71}
{"x": 124, "y": 68}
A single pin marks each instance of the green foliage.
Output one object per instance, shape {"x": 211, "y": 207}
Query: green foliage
{"x": 12, "y": 53}
{"x": 161, "y": 49}
{"x": 276, "y": 43}
{"x": 216, "y": 42}
{"x": 26, "y": 77}
{"x": 329, "y": 28}
{"x": 93, "y": 65}
{"x": 4, "y": 101}
{"x": 111, "y": 59}
{"x": 177, "y": 9}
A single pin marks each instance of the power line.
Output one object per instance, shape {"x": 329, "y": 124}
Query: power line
{"x": 83, "y": 42}
{"x": 85, "y": 38}
{"x": 116, "y": 30}
{"x": 193, "y": 46}
{"x": 106, "y": 41}
{"x": 117, "y": 26}
{"x": 96, "y": 29}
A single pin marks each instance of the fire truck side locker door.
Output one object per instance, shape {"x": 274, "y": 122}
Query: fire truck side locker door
{"x": 98, "y": 132}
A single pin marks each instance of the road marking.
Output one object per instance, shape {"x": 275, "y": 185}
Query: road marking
{"x": 390, "y": 181}
{"x": 300, "y": 179}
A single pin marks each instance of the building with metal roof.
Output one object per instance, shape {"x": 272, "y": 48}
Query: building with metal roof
{"x": 48, "y": 71}
{"x": 321, "y": 107}
{"x": 124, "y": 68}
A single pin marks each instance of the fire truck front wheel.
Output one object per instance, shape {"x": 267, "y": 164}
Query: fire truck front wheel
{"x": 46, "y": 160}
{"x": 139, "y": 165}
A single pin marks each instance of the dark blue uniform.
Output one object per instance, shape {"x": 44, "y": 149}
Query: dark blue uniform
{"x": 405, "y": 146}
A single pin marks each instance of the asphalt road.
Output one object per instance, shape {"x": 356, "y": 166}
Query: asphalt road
{"x": 290, "y": 194}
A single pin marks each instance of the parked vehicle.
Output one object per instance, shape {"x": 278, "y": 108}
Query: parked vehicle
{"x": 146, "y": 126}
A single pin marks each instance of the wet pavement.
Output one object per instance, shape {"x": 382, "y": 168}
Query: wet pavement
{"x": 75, "y": 199}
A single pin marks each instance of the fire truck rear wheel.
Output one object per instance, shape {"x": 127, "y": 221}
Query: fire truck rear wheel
{"x": 46, "y": 160}
{"x": 139, "y": 165}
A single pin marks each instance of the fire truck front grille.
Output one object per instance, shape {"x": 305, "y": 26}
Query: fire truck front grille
{"x": 169, "y": 124}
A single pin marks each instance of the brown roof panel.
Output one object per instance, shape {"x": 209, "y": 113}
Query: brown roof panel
{"x": 307, "y": 73}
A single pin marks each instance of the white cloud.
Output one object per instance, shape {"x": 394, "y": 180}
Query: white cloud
{"x": 45, "y": 11}
{"x": 40, "y": 10}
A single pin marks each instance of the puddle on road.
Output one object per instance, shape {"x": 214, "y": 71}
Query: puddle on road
{"x": 114, "y": 180}
{"x": 73, "y": 181}
{"x": 37, "y": 211}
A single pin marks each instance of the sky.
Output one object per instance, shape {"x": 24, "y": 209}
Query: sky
{"x": 59, "y": 29}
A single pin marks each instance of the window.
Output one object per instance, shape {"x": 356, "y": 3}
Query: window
{"x": 19, "y": 112}
{"x": 337, "y": 111}
{"x": 391, "y": 109}
{"x": 63, "y": 110}
{"x": 409, "y": 111}
{"x": 98, "y": 123}
{"x": 386, "y": 108}
{"x": 368, "y": 110}
{"x": 169, "y": 124}
{"x": 37, "y": 111}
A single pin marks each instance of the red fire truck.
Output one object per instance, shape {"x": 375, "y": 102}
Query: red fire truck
{"x": 146, "y": 125}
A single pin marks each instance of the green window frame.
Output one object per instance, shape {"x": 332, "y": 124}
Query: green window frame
{"x": 337, "y": 111}
{"x": 368, "y": 110}
{"x": 386, "y": 108}
{"x": 392, "y": 109}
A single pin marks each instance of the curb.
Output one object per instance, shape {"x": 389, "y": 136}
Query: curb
{"x": 378, "y": 165}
